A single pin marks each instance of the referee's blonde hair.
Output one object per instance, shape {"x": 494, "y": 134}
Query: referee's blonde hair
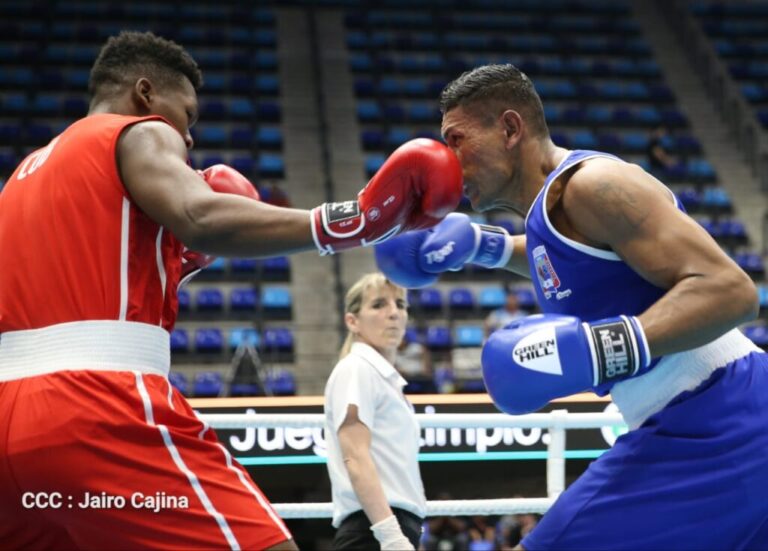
{"x": 354, "y": 300}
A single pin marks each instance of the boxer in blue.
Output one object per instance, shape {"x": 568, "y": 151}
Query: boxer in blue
{"x": 638, "y": 301}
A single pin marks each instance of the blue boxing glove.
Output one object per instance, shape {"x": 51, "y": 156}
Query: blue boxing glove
{"x": 415, "y": 259}
{"x": 534, "y": 360}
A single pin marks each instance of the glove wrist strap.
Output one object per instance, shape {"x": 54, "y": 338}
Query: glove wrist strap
{"x": 495, "y": 247}
{"x": 619, "y": 348}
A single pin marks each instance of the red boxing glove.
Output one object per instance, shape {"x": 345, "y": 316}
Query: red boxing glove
{"x": 225, "y": 179}
{"x": 417, "y": 186}
{"x": 222, "y": 179}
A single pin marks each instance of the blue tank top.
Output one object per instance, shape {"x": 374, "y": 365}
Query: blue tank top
{"x": 574, "y": 279}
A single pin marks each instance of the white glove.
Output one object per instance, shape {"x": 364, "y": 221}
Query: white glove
{"x": 390, "y": 536}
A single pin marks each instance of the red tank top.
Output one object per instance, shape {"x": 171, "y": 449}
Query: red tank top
{"x": 74, "y": 246}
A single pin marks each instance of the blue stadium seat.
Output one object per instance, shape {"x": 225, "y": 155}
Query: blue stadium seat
{"x": 241, "y": 108}
{"x": 10, "y": 133}
{"x": 244, "y": 164}
{"x": 179, "y": 381}
{"x": 689, "y": 197}
{"x": 438, "y": 338}
{"x": 491, "y": 297}
{"x": 368, "y": 111}
{"x": 526, "y": 298}
{"x": 241, "y": 137}
{"x": 269, "y": 137}
{"x": 635, "y": 141}
{"x": 716, "y": 198}
{"x": 245, "y": 389}
{"x": 210, "y": 160}
{"x": 207, "y": 384}
{"x": 210, "y": 136}
{"x": 752, "y": 263}
{"x": 583, "y": 139}
{"x": 268, "y": 111}
{"x": 430, "y": 299}
{"x": 397, "y": 136}
{"x": 244, "y": 335}
{"x": 276, "y": 266}
{"x": 372, "y": 139}
{"x": 461, "y": 299}
{"x": 271, "y": 166}
{"x": 281, "y": 382}
{"x": 243, "y": 299}
{"x": 244, "y": 265}
{"x": 217, "y": 266}
{"x": 184, "y": 300}
{"x": 179, "y": 340}
{"x": 213, "y": 109}
{"x": 278, "y": 339}
{"x": 276, "y": 299}
{"x": 46, "y": 104}
{"x": 411, "y": 335}
{"x": 373, "y": 163}
{"x": 210, "y": 299}
{"x": 758, "y": 334}
{"x": 762, "y": 295}
{"x": 209, "y": 340}
{"x": 468, "y": 335}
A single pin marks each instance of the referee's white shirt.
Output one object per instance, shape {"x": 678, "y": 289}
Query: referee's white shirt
{"x": 364, "y": 378}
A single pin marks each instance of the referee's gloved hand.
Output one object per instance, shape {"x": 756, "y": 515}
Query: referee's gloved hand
{"x": 389, "y": 535}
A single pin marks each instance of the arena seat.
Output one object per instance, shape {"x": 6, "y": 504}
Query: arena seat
{"x": 468, "y": 335}
{"x": 184, "y": 300}
{"x": 243, "y": 265}
{"x": 491, "y": 298}
{"x": 438, "y": 337}
{"x": 209, "y": 299}
{"x": 281, "y": 382}
{"x": 209, "y": 340}
{"x": 179, "y": 381}
{"x": 243, "y": 299}
{"x": 244, "y": 335}
{"x": 207, "y": 384}
{"x": 179, "y": 341}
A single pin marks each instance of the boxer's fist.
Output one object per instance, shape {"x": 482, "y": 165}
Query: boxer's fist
{"x": 414, "y": 259}
{"x": 415, "y": 188}
{"x": 222, "y": 179}
{"x": 398, "y": 260}
{"x": 538, "y": 358}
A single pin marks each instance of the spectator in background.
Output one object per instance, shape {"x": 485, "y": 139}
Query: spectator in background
{"x": 446, "y": 533}
{"x": 504, "y": 315}
{"x": 482, "y": 534}
{"x": 372, "y": 432}
{"x": 659, "y": 158}
{"x": 511, "y": 529}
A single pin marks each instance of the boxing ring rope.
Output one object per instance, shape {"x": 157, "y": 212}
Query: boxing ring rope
{"x": 557, "y": 421}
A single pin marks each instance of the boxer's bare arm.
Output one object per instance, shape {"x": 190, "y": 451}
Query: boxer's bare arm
{"x": 625, "y": 209}
{"x": 151, "y": 158}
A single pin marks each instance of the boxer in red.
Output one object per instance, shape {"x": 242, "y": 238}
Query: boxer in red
{"x": 97, "y": 450}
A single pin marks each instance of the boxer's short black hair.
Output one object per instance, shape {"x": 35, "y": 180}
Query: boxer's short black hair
{"x": 131, "y": 55}
{"x": 490, "y": 88}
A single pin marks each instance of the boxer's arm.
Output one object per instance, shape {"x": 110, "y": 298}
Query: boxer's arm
{"x": 151, "y": 158}
{"x": 621, "y": 207}
{"x": 518, "y": 262}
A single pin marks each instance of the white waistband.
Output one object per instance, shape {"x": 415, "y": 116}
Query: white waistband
{"x": 641, "y": 397}
{"x": 102, "y": 345}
